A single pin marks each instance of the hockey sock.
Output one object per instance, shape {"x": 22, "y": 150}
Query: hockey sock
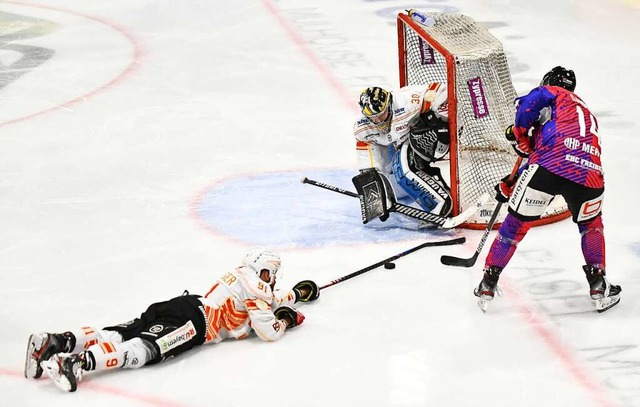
{"x": 88, "y": 335}
{"x": 85, "y": 337}
{"x": 129, "y": 354}
{"x": 593, "y": 248}
{"x": 511, "y": 232}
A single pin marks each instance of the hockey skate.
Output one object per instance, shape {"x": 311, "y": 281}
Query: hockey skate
{"x": 65, "y": 369}
{"x": 41, "y": 347}
{"x": 488, "y": 287}
{"x": 604, "y": 294}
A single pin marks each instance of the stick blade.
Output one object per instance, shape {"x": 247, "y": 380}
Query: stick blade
{"x": 457, "y": 261}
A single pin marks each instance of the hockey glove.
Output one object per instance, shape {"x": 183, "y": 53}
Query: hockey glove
{"x": 522, "y": 145}
{"x": 504, "y": 189}
{"x": 290, "y": 316}
{"x": 306, "y": 291}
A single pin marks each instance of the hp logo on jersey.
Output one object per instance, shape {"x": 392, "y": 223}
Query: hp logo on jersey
{"x": 572, "y": 143}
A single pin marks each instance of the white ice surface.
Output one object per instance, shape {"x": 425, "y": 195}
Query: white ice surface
{"x": 111, "y": 144}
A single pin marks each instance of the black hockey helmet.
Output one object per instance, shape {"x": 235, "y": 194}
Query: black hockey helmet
{"x": 374, "y": 101}
{"x": 561, "y": 77}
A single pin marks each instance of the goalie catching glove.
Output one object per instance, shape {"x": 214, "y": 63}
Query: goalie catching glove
{"x": 523, "y": 145}
{"x": 429, "y": 138}
{"x": 306, "y": 291}
{"x": 290, "y": 316}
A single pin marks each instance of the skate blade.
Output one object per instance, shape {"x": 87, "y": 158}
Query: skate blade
{"x": 31, "y": 368}
{"x": 607, "y": 303}
{"x": 52, "y": 369}
{"x": 483, "y": 304}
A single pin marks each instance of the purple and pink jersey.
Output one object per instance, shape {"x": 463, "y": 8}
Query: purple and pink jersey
{"x": 567, "y": 143}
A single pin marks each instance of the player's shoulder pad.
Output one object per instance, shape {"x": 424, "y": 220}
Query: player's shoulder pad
{"x": 364, "y": 130}
{"x": 537, "y": 98}
{"x": 406, "y": 107}
{"x": 254, "y": 287}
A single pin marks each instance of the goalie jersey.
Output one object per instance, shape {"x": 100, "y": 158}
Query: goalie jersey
{"x": 374, "y": 146}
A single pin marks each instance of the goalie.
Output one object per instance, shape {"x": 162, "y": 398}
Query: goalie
{"x": 400, "y": 134}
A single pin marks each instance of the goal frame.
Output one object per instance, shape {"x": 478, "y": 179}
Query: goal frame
{"x": 402, "y": 20}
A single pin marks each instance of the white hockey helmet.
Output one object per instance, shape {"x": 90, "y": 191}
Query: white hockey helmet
{"x": 260, "y": 258}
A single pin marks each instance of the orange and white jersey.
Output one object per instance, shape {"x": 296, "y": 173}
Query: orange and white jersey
{"x": 374, "y": 145}
{"x": 240, "y": 302}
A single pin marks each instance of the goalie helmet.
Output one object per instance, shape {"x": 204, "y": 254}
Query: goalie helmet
{"x": 260, "y": 258}
{"x": 561, "y": 77}
{"x": 375, "y": 103}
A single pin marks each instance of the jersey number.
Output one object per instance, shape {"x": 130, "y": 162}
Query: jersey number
{"x": 583, "y": 125}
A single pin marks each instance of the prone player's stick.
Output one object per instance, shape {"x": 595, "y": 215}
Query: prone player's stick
{"x": 460, "y": 262}
{"x": 458, "y": 240}
{"x": 441, "y": 221}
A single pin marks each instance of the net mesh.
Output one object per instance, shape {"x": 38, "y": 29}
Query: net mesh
{"x": 485, "y": 102}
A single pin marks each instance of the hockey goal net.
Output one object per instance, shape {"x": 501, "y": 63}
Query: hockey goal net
{"x": 461, "y": 52}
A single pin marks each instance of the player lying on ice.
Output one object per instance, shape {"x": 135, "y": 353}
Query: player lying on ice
{"x": 558, "y": 133}
{"x": 239, "y": 303}
{"x": 400, "y": 134}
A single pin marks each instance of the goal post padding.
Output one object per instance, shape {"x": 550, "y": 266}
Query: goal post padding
{"x": 464, "y": 54}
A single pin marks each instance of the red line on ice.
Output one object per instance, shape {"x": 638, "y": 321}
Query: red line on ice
{"x": 546, "y": 334}
{"x": 133, "y": 65}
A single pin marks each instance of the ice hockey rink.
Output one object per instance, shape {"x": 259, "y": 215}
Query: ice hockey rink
{"x": 147, "y": 144}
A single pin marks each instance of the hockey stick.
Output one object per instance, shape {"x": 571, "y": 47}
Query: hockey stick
{"x": 460, "y": 262}
{"x": 306, "y": 180}
{"x": 458, "y": 240}
{"x": 443, "y": 222}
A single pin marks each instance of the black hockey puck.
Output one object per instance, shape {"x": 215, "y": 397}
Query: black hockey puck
{"x": 389, "y": 266}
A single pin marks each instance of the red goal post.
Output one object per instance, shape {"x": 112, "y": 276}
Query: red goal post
{"x": 461, "y": 52}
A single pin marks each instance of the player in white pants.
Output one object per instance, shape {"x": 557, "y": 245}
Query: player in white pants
{"x": 240, "y": 303}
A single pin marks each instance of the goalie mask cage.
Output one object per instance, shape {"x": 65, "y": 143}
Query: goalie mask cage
{"x": 463, "y": 54}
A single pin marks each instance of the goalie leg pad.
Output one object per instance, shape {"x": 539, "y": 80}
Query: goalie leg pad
{"x": 425, "y": 189}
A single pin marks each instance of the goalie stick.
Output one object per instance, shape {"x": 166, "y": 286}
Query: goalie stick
{"x": 458, "y": 240}
{"x": 460, "y": 262}
{"x": 441, "y": 221}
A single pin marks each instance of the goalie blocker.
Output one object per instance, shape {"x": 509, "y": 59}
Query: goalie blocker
{"x": 373, "y": 190}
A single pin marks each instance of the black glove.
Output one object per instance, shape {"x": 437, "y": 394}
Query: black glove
{"x": 290, "y": 316}
{"x": 504, "y": 189}
{"x": 306, "y": 291}
{"x": 508, "y": 134}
